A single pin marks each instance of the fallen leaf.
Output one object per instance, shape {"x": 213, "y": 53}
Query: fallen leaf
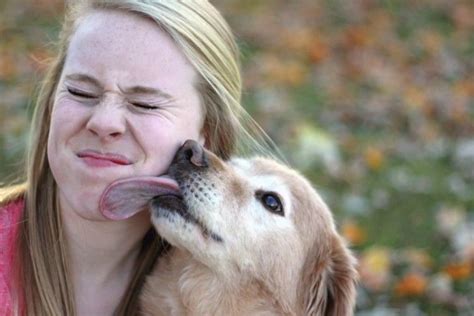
{"x": 374, "y": 158}
{"x": 459, "y": 270}
{"x": 411, "y": 284}
{"x": 354, "y": 233}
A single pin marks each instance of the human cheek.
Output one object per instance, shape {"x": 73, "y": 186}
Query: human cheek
{"x": 66, "y": 120}
{"x": 159, "y": 142}
{"x": 161, "y": 146}
{"x": 160, "y": 135}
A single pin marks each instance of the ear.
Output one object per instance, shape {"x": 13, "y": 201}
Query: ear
{"x": 328, "y": 284}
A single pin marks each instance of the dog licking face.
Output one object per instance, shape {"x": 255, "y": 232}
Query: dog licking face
{"x": 249, "y": 236}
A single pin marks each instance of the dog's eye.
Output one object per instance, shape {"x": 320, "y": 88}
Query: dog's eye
{"x": 271, "y": 202}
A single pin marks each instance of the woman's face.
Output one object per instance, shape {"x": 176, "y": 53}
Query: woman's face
{"x": 125, "y": 102}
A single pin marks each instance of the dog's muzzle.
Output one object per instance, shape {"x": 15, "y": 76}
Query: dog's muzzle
{"x": 187, "y": 168}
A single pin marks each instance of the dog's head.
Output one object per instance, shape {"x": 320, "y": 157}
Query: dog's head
{"x": 258, "y": 220}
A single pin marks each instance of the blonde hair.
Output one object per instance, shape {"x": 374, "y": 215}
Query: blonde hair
{"x": 200, "y": 31}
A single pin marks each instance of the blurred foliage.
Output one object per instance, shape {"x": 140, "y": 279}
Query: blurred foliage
{"x": 372, "y": 100}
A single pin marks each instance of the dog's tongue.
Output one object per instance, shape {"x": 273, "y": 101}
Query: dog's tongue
{"x": 126, "y": 197}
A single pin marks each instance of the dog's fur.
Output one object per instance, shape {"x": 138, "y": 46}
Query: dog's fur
{"x": 232, "y": 256}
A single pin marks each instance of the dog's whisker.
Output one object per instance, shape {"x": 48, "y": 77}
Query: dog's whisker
{"x": 216, "y": 237}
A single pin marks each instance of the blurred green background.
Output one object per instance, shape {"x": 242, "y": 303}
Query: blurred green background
{"x": 372, "y": 100}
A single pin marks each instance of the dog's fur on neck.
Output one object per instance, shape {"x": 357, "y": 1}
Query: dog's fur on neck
{"x": 188, "y": 287}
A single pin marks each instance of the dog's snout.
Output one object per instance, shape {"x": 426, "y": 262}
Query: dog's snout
{"x": 193, "y": 152}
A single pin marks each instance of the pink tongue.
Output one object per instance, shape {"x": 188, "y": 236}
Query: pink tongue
{"x": 126, "y": 197}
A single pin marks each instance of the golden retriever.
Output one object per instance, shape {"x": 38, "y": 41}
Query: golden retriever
{"x": 249, "y": 237}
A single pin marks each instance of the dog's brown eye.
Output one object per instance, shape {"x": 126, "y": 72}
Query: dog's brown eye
{"x": 271, "y": 202}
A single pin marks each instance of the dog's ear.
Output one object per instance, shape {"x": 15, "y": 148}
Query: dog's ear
{"x": 328, "y": 284}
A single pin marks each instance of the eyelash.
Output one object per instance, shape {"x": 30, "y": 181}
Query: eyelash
{"x": 80, "y": 94}
{"x": 145, "y": 106}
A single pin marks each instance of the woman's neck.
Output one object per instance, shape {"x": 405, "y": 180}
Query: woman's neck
{"x": 102, "y": 257}
{"x": 100, "y": 249}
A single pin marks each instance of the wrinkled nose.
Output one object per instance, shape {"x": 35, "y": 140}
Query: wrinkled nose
{"x": 192, "y": 152}
{"x": 107, "y": 121}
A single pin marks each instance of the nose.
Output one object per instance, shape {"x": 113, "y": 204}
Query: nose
{"x": 192, "y": 152}
{"x": 107, "y": 121}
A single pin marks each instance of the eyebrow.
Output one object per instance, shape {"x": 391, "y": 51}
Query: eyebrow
{"x": 84, "y": 78}
{"x": 130, "y": 90}
{"x": 146, "y": 90}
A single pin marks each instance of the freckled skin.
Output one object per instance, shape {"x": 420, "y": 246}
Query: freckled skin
{"x": 119, "y": 51}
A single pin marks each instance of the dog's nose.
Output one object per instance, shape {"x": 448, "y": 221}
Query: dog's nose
{"x": 193, "y": 152}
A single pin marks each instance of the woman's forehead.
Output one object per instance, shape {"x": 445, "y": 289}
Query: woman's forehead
{"x": 103, "y": 20}
{"x": 110, "y": 30}
{"x": 127, "y": 46}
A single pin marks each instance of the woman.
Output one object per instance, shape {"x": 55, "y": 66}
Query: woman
{"x": 132, "y": 80}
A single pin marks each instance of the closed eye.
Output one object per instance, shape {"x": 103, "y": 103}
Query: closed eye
{"x": 145, "y": 106}
{"x": 80, "y": 94}
{"x": 271, "y": 201}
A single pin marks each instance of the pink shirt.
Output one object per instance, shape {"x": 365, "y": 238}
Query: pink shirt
{"x": 9, "y": 218}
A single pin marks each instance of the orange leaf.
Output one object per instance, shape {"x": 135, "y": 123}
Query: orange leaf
{"x": 458, "y": 270}
{"x": 464, "y": 88}
{"x": 412, "y": 284}
{"x": 374, "y": 158}
{"x": 318, "y": 50}
{"x": 8, "y": 67}
{"x": 357, "y": 36}
{"x": 355, "y": 234}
